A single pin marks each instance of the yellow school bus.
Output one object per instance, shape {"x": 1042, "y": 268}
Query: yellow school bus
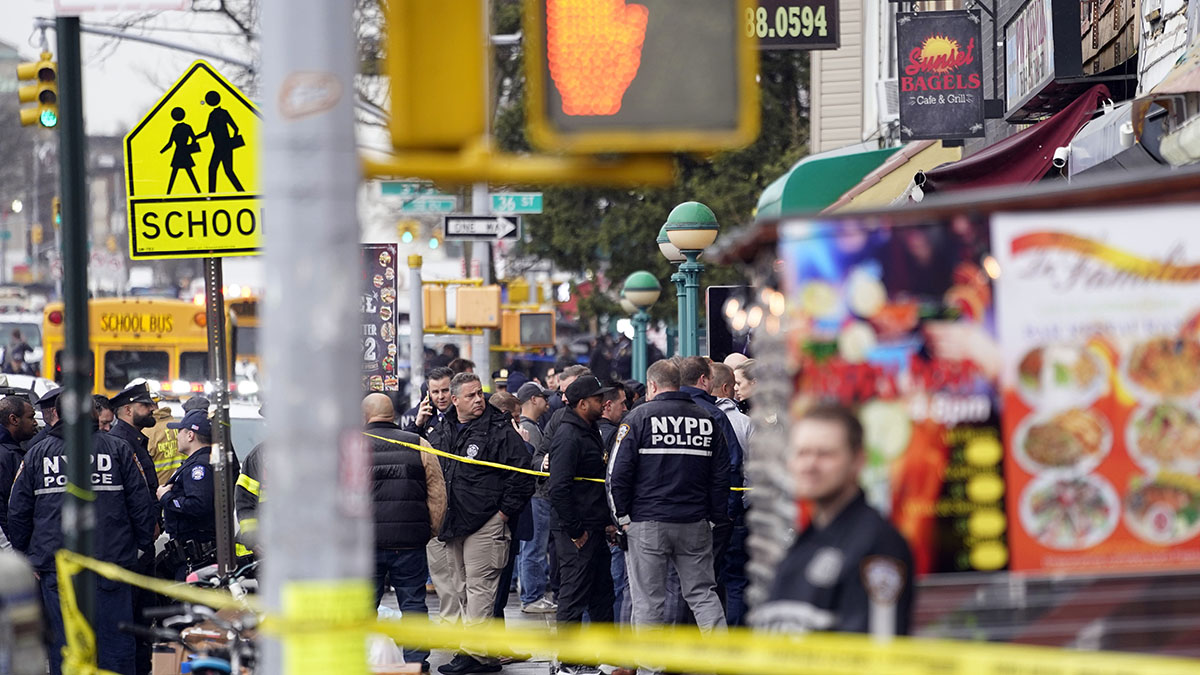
{"x": 162, "y": 340}
{"x": 243, "y": 322}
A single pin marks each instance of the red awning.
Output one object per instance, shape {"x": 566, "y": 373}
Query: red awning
{"x": 1022, "y": 158}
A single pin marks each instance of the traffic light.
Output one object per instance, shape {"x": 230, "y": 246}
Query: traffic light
{"x": 56, "y": 211}
{"x": 35, "y": 234}
{"x": 43, "y": 90}
{"x": 532, "y": 330}
{"x": 437, "y": 61}
{"x": 619, "y": 76}
{"x": 408, "y": 230}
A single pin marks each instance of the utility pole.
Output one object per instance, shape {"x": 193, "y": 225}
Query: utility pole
{"x": 78, "y": 517}
{"x": 317, "y": 523}
{"x": 481, "y": 352}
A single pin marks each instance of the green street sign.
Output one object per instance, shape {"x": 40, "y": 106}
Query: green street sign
{"x": 430, "y": 204}
{"x": 405, "y": 188}
{"x": 516, "y": 202}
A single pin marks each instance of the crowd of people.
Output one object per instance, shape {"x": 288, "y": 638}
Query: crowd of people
{"x": 601, "y": 500}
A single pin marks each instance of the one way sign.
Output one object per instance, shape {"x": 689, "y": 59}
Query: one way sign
{"x": 481, "y": 228}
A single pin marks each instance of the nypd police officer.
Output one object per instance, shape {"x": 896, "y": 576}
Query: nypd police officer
{"x": 849, "y": 570}
{"x": 668, "y": 485}
{"x": 124, "y": 514}
{"x": 187, "y": 500}
{"x": 135, "y": 408}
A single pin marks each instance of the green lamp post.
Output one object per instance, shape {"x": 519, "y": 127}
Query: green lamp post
{"x": 691, "y": 227}
{"x": 642, "y": 291}
{"x": 674, "y": 257}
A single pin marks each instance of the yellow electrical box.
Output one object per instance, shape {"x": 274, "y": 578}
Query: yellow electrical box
{"x": 434, "y": 299}
{"x": 35, "y": 234}
{"x": 478, "y": 307}
{"x": 438, "y": 54}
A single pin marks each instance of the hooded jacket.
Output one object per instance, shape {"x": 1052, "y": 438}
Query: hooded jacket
{"x": 578, "y": 452}
{"x": 475, "y": 493}
{"x": 124, "y": 510}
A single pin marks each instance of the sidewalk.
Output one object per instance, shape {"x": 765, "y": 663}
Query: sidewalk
{"x": 541, "y": 664}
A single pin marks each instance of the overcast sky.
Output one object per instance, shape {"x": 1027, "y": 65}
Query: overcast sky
{"x": 122, "y": 80}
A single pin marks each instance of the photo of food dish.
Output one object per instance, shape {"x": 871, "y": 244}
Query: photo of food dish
{"x": 1165, "y": 435}
{"x": 376, "y": 383}
{"x": 388, "y": 332}
{"x": 1163, "y": 510}
{"x": 385, "y": 312}
{"x": 385, "y": 258}
{"x": 388, "y": 295}
{"x": 392, "y": 349}
{"x": 1061, "y": 373}
{"x": 391, "y": 383}
{"x": 1075, "y": 439}
{"x": 1069, "y": 513}
{"x": 1165, "y": 366}
{"x": 389, "y": 364}
{"x": 378, "y": 281}
{"x": 389, "y": 274}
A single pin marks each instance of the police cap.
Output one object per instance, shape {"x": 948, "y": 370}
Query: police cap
{"x": 134, "y": 393}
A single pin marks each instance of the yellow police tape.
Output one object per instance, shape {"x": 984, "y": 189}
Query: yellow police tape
{"x": 494, "y": 465}
{"x": 738, "y": 651}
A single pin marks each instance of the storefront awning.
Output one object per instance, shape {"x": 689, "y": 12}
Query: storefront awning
{"x": 1019, "y": 159}
{"x": 819, "y": 180}
{"x": 882, "y": 186}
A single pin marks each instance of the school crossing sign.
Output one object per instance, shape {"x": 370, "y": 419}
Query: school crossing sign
{"x": 192, "y": 172}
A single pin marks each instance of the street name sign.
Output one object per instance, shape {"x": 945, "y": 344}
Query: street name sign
{"x": 405, "y": 188}
{"x": 430, "y": 204}
{"x": 192, "y": 172}
{"x": 516, "y": 202}
{"x": 481, "y": 228}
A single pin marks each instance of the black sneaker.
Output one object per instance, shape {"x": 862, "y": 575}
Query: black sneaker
{"x": 465, "y": 665}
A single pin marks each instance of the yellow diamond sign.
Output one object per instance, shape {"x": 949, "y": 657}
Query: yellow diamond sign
{"x": 192, "y": 172}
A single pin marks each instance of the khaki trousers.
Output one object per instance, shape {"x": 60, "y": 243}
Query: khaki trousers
{"x": 448, "y": 581}
{"x": 479, "y": 558}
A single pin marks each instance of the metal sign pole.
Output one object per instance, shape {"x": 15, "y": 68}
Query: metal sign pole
{"x": 78, "y": 517}
{"x": 416, "y": 327}
{"x": 218, "y": 368}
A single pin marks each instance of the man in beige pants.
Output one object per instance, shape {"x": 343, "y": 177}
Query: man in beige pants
{"x": 480, "y": 501}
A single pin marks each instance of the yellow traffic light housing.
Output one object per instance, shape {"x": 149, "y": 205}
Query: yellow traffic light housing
{"x": 56, "y": 211}
{"x": 408, "y": 231}
{"x": 438, "y": 54}
{"x": 529, "y": 330}
{"x": 43, "y": 90}
{"x": 623, "y": 76}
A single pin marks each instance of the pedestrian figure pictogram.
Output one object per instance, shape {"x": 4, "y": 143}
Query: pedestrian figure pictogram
{"x": 184, "y": 140}
{"x": 219, "y": 124}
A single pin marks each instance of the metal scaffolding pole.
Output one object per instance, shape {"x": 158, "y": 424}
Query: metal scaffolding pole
{"x": 317, "y": 523}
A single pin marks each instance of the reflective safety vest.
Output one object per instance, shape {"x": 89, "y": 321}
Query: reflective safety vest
{"x": 164, "y": 446}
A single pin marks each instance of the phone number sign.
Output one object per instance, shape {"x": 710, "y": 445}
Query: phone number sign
{"x": 793, "y": 24}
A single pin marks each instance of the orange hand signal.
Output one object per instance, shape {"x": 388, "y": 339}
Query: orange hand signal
{"x": 594, "y": 50}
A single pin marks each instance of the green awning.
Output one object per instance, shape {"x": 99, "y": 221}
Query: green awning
{"x": 819, "y": 180}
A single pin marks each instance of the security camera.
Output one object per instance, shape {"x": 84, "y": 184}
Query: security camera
{"x": 1061, "y": 156}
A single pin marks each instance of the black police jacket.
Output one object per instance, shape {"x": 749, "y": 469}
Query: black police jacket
{"x": 577, "y": 451}
{"x": 608, "y": 431}
{"x": 736, "y": 452}
{"x": 475, "y": 493}
{"x": 398, "y": 489}
{"x": 827, "y": 579}
{"x": 668, "y": 463}
{"x": 10, "y": 460}
{"x": 124, "y": 511}
{"x": 138, "y": 441}
{"x": 189, "y": 507}
{"x": 539, "y": 453}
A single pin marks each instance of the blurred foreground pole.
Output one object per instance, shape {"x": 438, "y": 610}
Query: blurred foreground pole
{"x": 316, "y": 523}
{"x": 78, "y": 517}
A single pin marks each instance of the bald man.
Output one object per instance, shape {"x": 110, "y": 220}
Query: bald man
{"x": 409, "y": 496}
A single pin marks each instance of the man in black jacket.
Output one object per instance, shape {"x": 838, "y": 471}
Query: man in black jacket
{"x": 17, "y": 424}
{"x": 124, "y": 512}
{"x": 668, "y": 484}
{"x": 135, "y": 411}
{"x": 433, "y": 405}
{"x": 579, "y": 517}
{"x": 49, "y": 415}
{"x": 480, "y": 501}
{"x": 409, "y": 499}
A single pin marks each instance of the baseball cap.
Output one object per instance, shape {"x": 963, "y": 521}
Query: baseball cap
{"x": 584, "y": 387}
{"x": 195, "y": 420}
{"x": 531, "y": 389}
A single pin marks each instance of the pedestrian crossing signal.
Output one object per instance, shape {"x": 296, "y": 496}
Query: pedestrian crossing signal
{"x": 43, "y": 90}
{"x": 56, "y": 210}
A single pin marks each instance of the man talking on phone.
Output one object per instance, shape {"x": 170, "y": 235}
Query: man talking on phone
{"x": 435, "y": 404}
